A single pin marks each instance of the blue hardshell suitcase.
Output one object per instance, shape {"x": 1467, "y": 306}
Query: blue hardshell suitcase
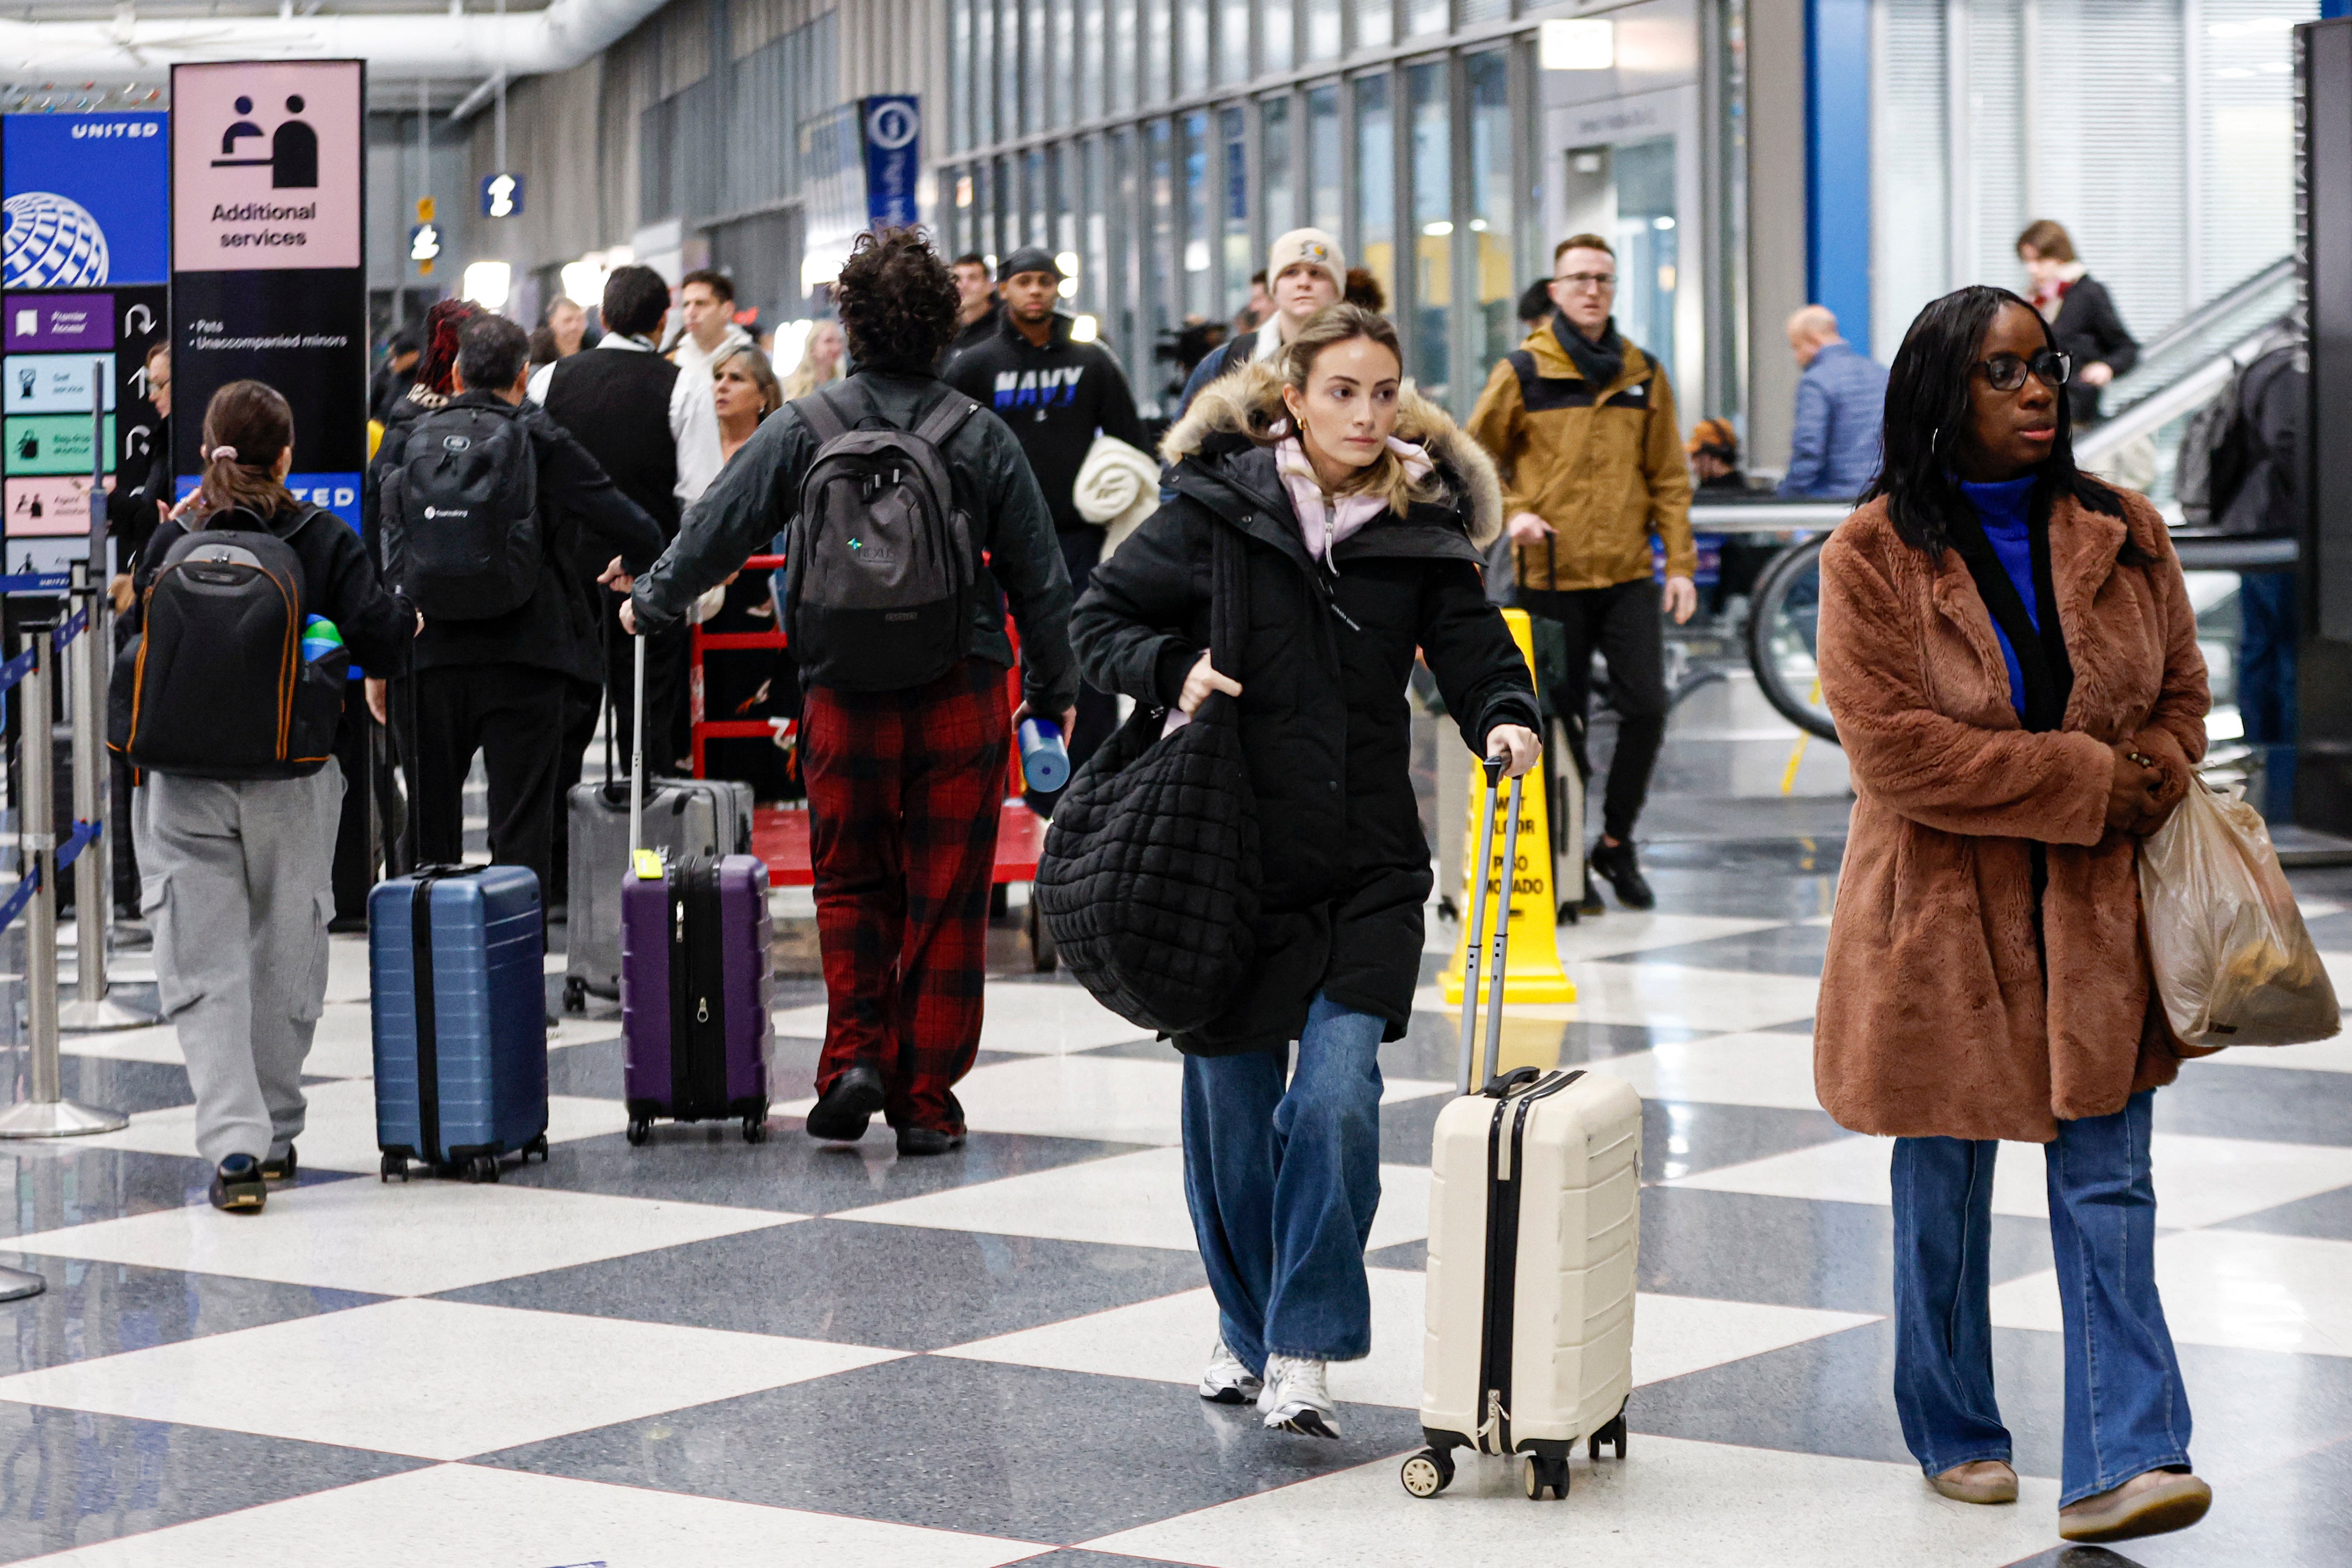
{"x": 460, "y": 1018}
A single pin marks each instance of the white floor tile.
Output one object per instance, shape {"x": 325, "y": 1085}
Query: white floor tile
{"x": 347, "y": 968}
{"x": 2198, "y": 1181}
{"x": 438, "y": 1380}
{"x": 400, "y": 1239}
{"x": 1665, "y": 995}
{"x": 1168, "y": 1339}
{"x": 338, "y": 1133}
{"x": 1694, "y": 1505}
{"x": 2240, "y": 1289}
{"x": 470, "y": 1516}
{"x": 1131, "y": 1200}
{"x": 1627, "y": 931}
{"x": 341, "y": 1046}
{"x": 158, "y": 1043}
{"x": 1763, "y": 1069}
{"x": 1035, "y": 1020}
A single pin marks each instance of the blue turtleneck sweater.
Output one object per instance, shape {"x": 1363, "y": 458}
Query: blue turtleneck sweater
{"x": 2003, "y": 508}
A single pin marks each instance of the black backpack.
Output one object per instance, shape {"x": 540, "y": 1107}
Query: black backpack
{"x": 215, "y": 685}
{"x": 881, "y": 561}
{"x": 460, "y": 510}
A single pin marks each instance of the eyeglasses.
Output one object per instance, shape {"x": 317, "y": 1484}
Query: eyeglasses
{"x": 2007, "y": 373}
{"x": 1582, "y": 280}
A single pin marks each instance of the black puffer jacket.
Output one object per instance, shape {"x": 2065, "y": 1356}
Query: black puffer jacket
{"x": 1323, "y": 713}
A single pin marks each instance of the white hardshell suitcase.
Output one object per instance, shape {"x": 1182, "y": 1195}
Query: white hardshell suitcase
{"x": 1534, "y": 1229}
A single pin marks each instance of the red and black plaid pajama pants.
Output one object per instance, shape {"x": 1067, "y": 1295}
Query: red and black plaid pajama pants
{"x": 904, "y": 788}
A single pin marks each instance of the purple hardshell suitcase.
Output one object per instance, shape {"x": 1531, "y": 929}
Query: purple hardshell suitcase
{"x": 695, "y": 991}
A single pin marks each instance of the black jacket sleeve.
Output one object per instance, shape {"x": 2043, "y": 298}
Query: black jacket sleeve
{"x": 1466, "y": 646}
{"x": 752, "y": 500}
{"x": 569, "y": 478}
{"x": 1138, "y": 627}
{"x": 1025, "y": 557}
{"x": 377, "y": 627}
{"x": 1115, "y": 403}
{"x": 2102, "y": 326}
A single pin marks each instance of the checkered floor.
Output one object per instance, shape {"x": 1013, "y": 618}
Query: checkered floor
{"x": 701, "y": 1352}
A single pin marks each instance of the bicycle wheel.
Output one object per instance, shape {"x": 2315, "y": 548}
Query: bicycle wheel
{"x": 1782, "y": 638}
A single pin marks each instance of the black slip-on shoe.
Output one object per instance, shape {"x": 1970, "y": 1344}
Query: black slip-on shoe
{"x": 281, "y": 1168}
{"x": 841, "y": 1115}
{"x": 238, "y": 1186}
{"x": 1617, "y": 865}
{"x": 928, "y": 1141}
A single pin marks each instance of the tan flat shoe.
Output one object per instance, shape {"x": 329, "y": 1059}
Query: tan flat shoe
{"x": 1979, "y": 1480}
{"x": 2150, "y": 1504}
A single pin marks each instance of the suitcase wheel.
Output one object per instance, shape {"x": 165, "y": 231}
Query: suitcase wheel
{"x": 393, "y": 1165}
{"x": 640, "y": 1129}
{"x": 1427, "y": 1473}
{"x": 755, "y": 1128}
{"x": 1544, "y": 1476}
{"x": 575, "y": 994}
{"x": 1613, "y": 1433}
{"x": 536, "y": 1146}
{"x": 482, "y": 1168}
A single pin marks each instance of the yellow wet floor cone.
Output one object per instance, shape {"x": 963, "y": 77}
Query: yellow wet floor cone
{"x": 1533, "y": 973}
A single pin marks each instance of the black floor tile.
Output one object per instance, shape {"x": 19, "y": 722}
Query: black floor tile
{"x": 593, "y": 1069}
{"x": 60, "y": 1184}
{"x": 1683, "y": 1138}
{"x": 2327, "y": 1216}
{"x": 2297, "y": 1514}
{"x": 69, "y": 1479}
{"x": 1079, "y": 1557}
{"x": 903, "y": 1286}
{"x": 97, "y": 1309}
{"x": 101, "y": 1081}
{"x": 1793, "y": 1252}
{"x": 709, "y": 1162}
{"x": 2254, "y": 1409}
{"x": 2279, "y": 1105}
{"x": 972, "y": 1445}
{"x": 1778, "y": 950}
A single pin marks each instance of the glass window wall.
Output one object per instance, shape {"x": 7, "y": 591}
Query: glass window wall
{"x": 1233, "y": 133}
{"x": 1090, "y": 59}
{"x": 1375, "y": 24}
{"x": 1486, "y": 79}
{"x": 1423, "y": 18}
{"x": 1034, "y": 55}
{"x": 1274, "y": 24}
{"x": 1324, "y": 156}
{"x": 979, "y": 81}
{"x": 1322, "y": 29}
{"x": 1121, "y": 95}
{"x": 1232, "y": 41}
{"x": 1160, "y": 266}
{"x": 1375, "y": 246}
{"x": 1200, "y": 273}
{"x": 1277, "y": 186}
{"x": 1061, "y": 56}
{"x": 1432, "y": 107}
{"x": 1157, "y": 23}
{"x": 960, "y": 47}
{"x": 1193, "y": 46}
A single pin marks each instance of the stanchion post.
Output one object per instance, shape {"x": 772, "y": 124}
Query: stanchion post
{"x": 45, "y": 1112}
{"x": 92, "y": 1008}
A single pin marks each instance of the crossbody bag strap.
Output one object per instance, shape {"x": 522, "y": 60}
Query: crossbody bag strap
{"x": 1229, "y": 613}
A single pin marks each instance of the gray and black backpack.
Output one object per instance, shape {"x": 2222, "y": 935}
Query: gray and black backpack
{"x": 881, "y": 563}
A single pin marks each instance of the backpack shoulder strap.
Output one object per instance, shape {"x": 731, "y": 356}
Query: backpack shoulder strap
{"x": 946, "y": 417}
{"x": 824, "y": 420}
{"x": 1523, "y": 366}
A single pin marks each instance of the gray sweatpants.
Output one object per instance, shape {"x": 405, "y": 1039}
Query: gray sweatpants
{"x": 236, "y": 878}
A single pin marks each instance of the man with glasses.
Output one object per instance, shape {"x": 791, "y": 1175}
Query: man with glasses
{"x": 1581, "y": 424}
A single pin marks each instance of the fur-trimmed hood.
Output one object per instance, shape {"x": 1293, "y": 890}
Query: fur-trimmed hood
{"x": 1246, "y": 403}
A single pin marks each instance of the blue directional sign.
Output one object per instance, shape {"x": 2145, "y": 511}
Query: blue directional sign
{"x": 502, "y": 195}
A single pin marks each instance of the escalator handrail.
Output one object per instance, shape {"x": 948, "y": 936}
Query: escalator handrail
{"x": 2185, "y": 396}
{"x": 2219, "y": 307}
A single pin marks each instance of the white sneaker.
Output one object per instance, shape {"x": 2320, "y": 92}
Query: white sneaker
{"x": 1295, "y": 1400}
{"x": 1227, "y": 1381}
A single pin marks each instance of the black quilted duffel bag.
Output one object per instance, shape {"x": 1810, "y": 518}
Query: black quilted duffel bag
{"x": 1148, "y": 881}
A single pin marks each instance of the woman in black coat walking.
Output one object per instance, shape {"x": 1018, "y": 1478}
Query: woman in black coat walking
{"x": 1363, "y": 512}
{"x": 2081, "y": 314}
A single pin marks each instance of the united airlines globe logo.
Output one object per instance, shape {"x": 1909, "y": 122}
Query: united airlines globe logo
{"x": 51, "y": 243}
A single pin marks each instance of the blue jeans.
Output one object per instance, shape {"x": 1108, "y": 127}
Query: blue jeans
{"x": 2126, "y": 1411}
{"x": 1283, "y": 1185}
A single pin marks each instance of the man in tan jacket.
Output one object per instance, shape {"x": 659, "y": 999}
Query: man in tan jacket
{"x": 1581, "y": 424}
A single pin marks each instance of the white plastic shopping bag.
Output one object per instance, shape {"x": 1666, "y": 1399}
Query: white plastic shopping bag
{"x": 2234, "y": 965}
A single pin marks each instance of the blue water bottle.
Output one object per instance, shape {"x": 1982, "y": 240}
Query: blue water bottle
{"x": 1045, "y": 760}
{"x": 319, "y": 638}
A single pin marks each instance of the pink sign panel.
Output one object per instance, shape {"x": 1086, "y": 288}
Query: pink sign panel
{"x": 266, "y": 166}
{"x": 49, "y": 506}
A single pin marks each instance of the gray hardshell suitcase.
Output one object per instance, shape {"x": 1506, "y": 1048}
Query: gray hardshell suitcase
{"x": 683, "y": 817}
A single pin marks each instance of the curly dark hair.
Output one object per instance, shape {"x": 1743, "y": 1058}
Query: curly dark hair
{"x": 897, "y": 303}
{"x": 1927, "y": 407}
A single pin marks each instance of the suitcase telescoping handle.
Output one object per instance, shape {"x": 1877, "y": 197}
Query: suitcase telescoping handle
{"x": 637, "y": 759}
{"x": 1499, "y": 936}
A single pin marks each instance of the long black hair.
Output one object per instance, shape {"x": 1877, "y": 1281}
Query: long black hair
{"x": 1928, "y": 410}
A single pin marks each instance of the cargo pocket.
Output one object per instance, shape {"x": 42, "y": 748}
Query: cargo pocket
{"x": 159, "y": 900}
{"x": 311, "y": 996}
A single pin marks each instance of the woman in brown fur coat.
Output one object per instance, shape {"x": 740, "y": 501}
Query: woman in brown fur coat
{"x": 2011, "y": 659}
